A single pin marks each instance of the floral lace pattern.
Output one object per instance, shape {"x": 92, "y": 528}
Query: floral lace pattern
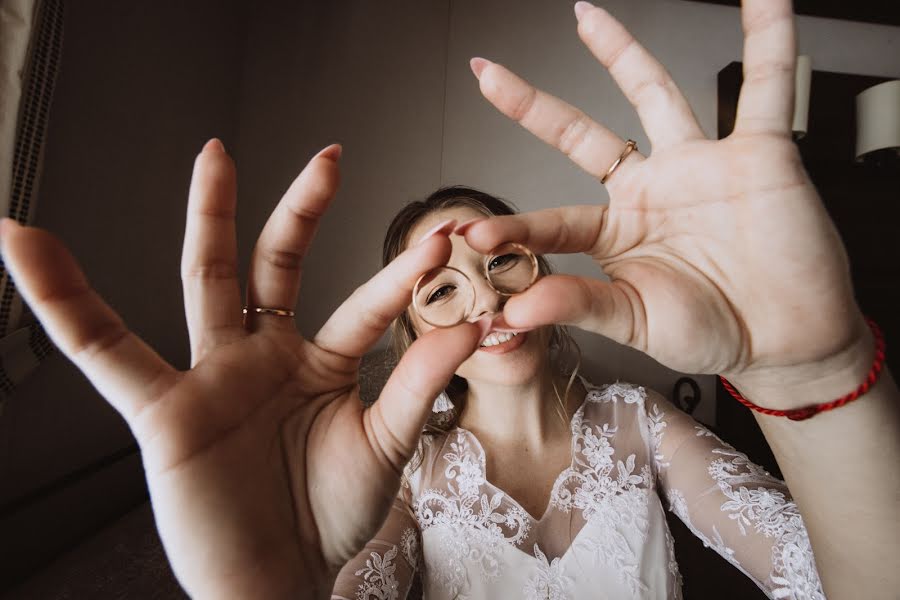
{"x": 769, "y": 512}
{"x": 476, "y": 527}
{"x": 763, "y": 509}
{"x": 611, "y": 392}
{"x": 657, "y": 429}
{"x": 612, "y": 502}
{"x": 549, "y": 582}
{"x": 409, "y": 546}
{"x": 602, "y": 526}
{"x": 678, "y": 505}
{"x": 673, "y": 565}
{"x": 378, "y": 577}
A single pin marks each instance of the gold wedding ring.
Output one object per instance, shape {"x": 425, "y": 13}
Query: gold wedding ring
{"x": 262, "y": 310}
{"x": 630, "y": 146}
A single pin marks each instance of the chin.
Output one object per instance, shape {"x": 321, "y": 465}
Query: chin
{"x": 514, "y": 367}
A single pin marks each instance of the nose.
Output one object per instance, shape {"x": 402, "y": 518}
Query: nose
{"x": 487, "y": 300}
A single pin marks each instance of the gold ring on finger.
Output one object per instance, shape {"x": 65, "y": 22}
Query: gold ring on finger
{"x": 262, "y": 310}
{"x": 630, "y": 146}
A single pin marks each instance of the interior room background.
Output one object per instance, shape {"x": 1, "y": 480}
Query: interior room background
{"x": 143, "y": 85}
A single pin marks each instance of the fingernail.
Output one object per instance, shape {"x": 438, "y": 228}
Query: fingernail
{"x": 462, "y": 228}
{"x": 445, "y": 227}
{"x": 332, "y": 152}
{"x": 214, "y": 144}
{"x": 581, "y": 8}
{"x": 478, "y": 65}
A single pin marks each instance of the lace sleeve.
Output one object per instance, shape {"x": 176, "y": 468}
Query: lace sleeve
{"x": 384, "y": 569}
{"x": 731, "y": 504}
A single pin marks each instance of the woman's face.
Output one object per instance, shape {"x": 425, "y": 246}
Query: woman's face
{"x": 512, "y": 362}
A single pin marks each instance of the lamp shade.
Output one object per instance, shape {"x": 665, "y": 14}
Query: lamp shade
{"x": 878, "y": 118}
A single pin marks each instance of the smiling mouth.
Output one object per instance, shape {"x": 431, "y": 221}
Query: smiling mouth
{"x": 500, "y": 342}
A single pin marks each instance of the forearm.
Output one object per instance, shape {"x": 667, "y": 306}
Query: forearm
{"x": 302, "y": 583}
{"x": 842, "y": 469}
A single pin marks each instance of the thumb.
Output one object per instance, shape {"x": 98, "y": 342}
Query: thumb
{"x": 606, "y": 308}
{"x": 395, "y": 421}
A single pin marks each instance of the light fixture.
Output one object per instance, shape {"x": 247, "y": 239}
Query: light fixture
{"x": 878, "y": 122}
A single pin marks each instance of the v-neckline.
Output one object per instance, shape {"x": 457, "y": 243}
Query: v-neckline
{"x": 579, "y": 412}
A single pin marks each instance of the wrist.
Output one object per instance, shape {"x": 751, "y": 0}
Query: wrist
{"x": 797, "y": 386}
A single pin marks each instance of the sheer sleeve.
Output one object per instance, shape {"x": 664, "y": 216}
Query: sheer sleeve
{"x": 734, "y": 506}
{"x": 385, "y": 567}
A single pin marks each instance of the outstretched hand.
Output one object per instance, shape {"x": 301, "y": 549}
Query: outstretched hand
{"x": 720, "y": 254}
{"x": 265, "y": 473}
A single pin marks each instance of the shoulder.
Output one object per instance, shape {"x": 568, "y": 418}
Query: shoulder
{"x": 624, "y": 392}
{"x": 625, "y": 402}
{"x": 436, "y": 452}
{"x": 620, "y": 391}
{"x": 663, "y": 424}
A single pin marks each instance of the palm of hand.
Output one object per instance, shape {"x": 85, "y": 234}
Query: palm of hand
{"x": 265, "y": 472}
{"x": 725, "y": 248}
{"x": 266, "y": 427}
{"x": 721, "y": 257}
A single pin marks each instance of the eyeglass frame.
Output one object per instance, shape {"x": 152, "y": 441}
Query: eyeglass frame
{"x": 535, "y": 272}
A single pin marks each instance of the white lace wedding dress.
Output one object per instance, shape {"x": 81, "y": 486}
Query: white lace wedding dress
{"x": 604, "y": 533}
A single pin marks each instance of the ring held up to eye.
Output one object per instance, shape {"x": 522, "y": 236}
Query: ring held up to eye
{"x": 445, "y": 296}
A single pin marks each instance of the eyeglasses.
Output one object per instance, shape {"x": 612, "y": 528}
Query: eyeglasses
{"x": 444, "y": 297}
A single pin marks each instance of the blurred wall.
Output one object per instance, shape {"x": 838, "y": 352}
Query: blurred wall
{"x": 369, "y": 75}
{"x": 141, "y": 87}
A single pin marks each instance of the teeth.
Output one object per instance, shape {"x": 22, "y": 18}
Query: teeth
{"x": 498, "y": 337}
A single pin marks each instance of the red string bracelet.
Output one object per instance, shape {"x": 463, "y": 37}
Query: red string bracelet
{"x": 805, "y": 412}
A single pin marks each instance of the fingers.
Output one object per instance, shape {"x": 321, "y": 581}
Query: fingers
{"x": 766, "y": 103}
{"x": 277, "y": 262}
{"x": 601, "y": 307}
{"x": 364, "y": 317}
{"x": 590, "y": 145}
{"x": 664, "y": 112}
{"x": 396, "y": 419}
{"x": 212, "y": 295}
{"x": 566, "y": 229}
{"x": 127, "y": 372}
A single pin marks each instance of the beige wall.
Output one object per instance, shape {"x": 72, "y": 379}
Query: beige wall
{"x": 144, "y": 85}
{"x": 369, "y": 75}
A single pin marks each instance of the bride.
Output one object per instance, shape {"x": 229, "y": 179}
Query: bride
{"x": 504, "y": 499}
{"x": 269, "y": 479}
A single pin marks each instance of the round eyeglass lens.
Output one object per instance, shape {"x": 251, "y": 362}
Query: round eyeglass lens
{"x": 511, "y": 268}
{"x": 443, "y": 297}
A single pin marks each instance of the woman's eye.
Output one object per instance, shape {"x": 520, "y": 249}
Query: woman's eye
{"x": 439, "y": 293}
{"x": 504, "y": 260}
